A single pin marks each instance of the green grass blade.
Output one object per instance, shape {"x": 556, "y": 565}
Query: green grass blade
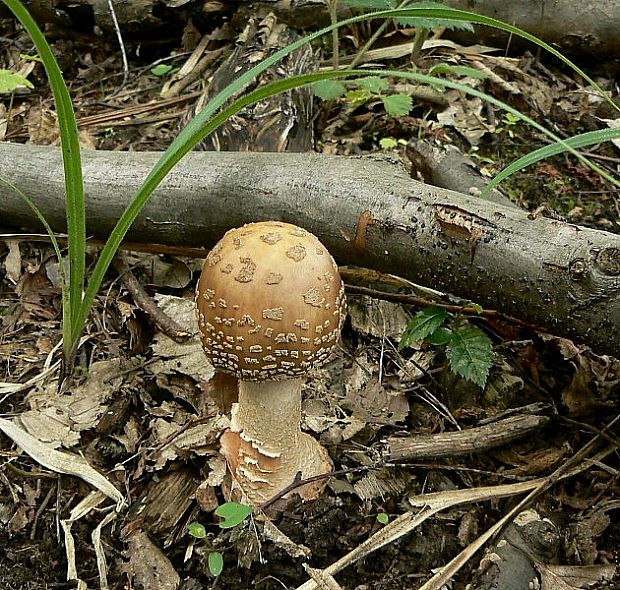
{"x": 543, "y": 153}
{"x": 76, "y": 224}
{"x": 66, "y": 325}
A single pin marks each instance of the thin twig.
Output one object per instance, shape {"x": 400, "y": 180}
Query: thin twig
{"x": 40, "y": 510}
{"x": 119, "y": 36}
{"x": 164, "y": 322}
{"x": 422, "y": 301}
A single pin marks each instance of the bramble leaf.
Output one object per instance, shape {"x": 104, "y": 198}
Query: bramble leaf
{"x": 422, "y": 325}
{"x": 373, "y": 83}
{"x": 329, "y": 89}
{"x": 470, "y": 354}
{"x": 441, "y": 336}
{"x": 433, "y": 23}
{"x": 397, "y": 105}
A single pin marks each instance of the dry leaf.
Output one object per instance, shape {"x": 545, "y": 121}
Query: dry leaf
{"x": 59, "y": 419}
{"x": 13, "y": 261}
{"x": 187, "y": 358}
{"x": 377, "y": 318}
{"x": 60, "y": 462}
{"x": 148, "y": 565}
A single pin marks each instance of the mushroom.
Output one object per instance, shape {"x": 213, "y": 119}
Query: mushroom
{"x": 270, "y": 308}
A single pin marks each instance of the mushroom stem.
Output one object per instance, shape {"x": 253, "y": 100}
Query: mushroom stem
{"x": 269, "y": 413}
{"x": 265, "y": 447}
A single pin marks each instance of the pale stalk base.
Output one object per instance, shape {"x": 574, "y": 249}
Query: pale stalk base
{"x": 265, "y": 449}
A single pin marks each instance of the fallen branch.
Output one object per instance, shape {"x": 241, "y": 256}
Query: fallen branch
{"x": 463, "y": 442}
{"x": 367, "y": 211}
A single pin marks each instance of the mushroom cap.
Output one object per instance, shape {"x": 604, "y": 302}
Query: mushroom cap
{"x": 270, "y": 302}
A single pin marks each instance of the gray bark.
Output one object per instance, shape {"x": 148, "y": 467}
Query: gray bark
{"x": 367, "y": 211}
{"x": 589, "y": 27}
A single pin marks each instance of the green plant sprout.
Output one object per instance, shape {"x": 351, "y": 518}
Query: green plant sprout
{"x": 233, "y": 514}
{"x": 11, "y": 81}
{"x": 468, "y": 349}
{"x": 161, "y": 70}
{"x": 383, "y": 518}
{"x": 364, "y": 90}
{"x": 78, "y": 293}
{"x": 389, "y": 143}
{"x": 509, "y": 123}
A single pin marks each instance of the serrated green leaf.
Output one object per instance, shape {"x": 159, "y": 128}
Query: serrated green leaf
{"x": 441, "y": 336}
{"x": 397, "y": 105}
{"x": 216, "y": 563}
{"x": 233, "y": 514}
{"x": 10, "y": 81}
{"x": 434, "y": 23}
{"x": 329, "y": 89}
{"x": 373, "y": 83}
{"x": 388, "y": 143}
{"x": 422, "y": 325}
{"x": 470, "y": 354}
{"x": 457, "y": 71}
{"x": 196, "y": 530}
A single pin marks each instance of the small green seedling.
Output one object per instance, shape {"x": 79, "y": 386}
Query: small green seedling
{"x": 469, "y": 349}
{"x": 161, "y": 70}
{"x": 233, "y": 514}
{"x": 215, "y": 561}
{"x": 509, "y": 122}
{"x": 383, "y": 518}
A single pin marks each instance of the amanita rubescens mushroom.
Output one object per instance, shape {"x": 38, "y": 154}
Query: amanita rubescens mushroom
{"x": 270, "y": 308}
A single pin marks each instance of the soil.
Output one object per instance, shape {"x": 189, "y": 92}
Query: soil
{"x": 145, "y": 399}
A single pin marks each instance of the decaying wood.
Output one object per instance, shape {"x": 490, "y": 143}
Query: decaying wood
{"x": 277, "y": 124}
{"x": 463, "y": 442}
{"x": 551, "y": 273}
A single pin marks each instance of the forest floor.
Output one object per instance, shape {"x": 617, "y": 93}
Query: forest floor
{"x": 146, "y": 411}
